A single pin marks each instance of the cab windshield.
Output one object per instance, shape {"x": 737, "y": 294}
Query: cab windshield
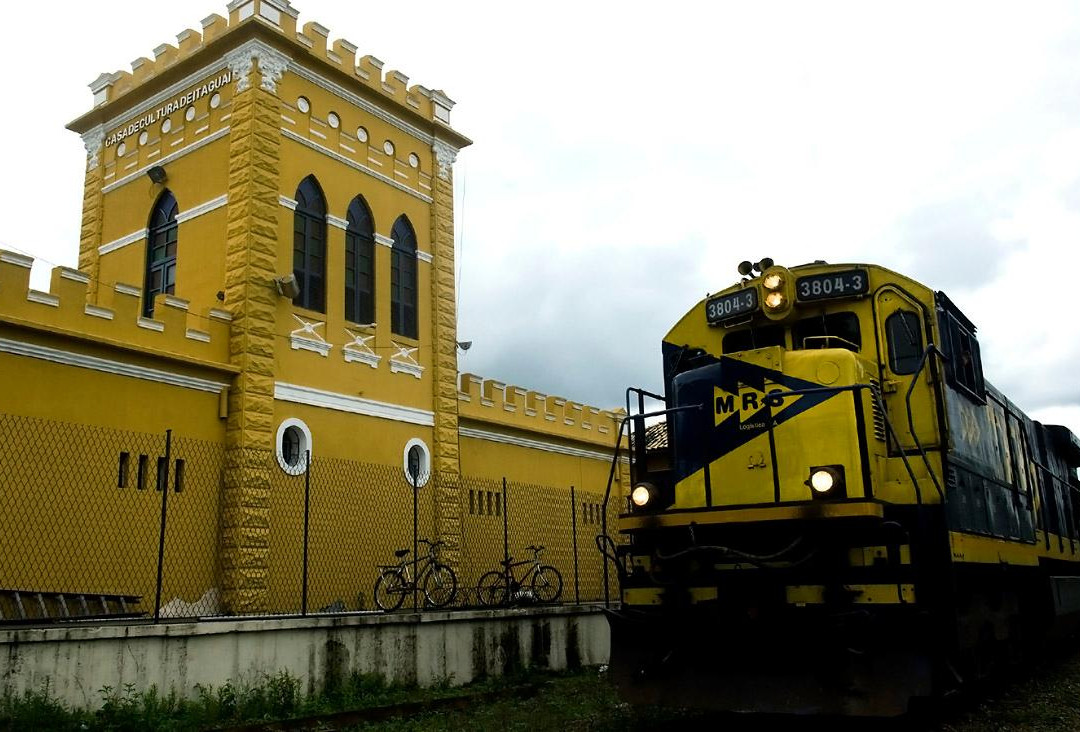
{"x": 831, "y": 330}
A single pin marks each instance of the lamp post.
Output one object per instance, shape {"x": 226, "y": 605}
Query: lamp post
{"x": 414, "y": 477}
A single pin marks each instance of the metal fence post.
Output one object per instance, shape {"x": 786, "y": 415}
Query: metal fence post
{"x": 307, "y": 511}
{"x": 506, "y": 535}
{"x": 164, "y": 480}
{"x": 573, "y": 530}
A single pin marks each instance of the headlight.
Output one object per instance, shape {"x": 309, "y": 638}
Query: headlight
{"x": 827, "y": 481}
{"x": 641, "y": 495}
{"x": 822, "y": 481}
{"x": 775, "y": 300}
{"x": 773, "y": 281}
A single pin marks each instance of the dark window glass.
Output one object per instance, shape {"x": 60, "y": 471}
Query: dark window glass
{"x": 290, "y": 446}
{"x": 309, "y": 245}
{"x": 403, "y": 279}
{"x": 963, "y": 369}
{"x": 903, "y": 331}
{"x": 751, "y": 338}
{"x": 834, "y": 330}
{"x": 160, "y": 251}
{"x": 122, "y": 476}
{"x": 359, "y": 264}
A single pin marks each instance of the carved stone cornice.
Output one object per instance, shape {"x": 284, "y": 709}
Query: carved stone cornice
{"x": 93, "y": 141}
{"x": 445, "y": 155}
{"x": 272, "y": 65}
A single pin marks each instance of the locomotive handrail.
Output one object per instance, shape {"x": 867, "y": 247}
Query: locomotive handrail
{"x": 615, "y": 461}
{"x": 930, "y": 349}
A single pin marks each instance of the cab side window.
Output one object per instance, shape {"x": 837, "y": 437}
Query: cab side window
{"x": 964, "y": 370}
{"x": 903, "y": 332}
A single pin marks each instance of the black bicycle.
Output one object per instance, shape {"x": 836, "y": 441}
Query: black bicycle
{"x": 502, "y": 587}
{"x": 437, "y": 580}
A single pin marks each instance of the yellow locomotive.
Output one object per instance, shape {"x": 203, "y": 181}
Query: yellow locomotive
{"x": 832, "y": 511}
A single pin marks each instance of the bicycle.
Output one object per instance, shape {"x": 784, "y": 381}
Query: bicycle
{"x": 502, "y": 587}
{"x": 439, "y": 583}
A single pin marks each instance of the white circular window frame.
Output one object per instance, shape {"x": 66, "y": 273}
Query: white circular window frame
{"x": 305, "y": 446}
{"x": 215, "y": 101}
{"x": 333, "y": 120}
{"x": 388, "y": 147}
{"x": 166, "y": 125}
{"x": 143, "y": 137}
{"x": 190, "y": 113}
{"x": 303, "y": 104}
{"x": 425, "y": 461}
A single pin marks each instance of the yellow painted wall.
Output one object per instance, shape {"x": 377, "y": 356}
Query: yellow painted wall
{"x": 361, "y": 508}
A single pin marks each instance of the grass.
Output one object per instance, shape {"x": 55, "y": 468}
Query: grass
{"x": 1043, "y": 699}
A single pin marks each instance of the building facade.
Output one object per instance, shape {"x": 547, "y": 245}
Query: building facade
{"x": 266, "y": 263}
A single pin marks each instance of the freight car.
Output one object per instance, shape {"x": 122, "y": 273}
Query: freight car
{"x": 832, "y": 510}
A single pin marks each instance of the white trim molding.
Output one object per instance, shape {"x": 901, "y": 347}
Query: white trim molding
{"x": 354, "y": 405}
{"x": 404, "y": 361}
{"x": 204, "y": 207}
{"x": 289, "y": 203}
{"x": 307, "y": 337}
{"x": 336, "y": 222}
{"x": 43, "y": 298}
{"x": 534, "y": 444}
{"x": 358, "y": 350}
{"x": 424, "y": 256}
{"x": 352, "y": 164}
{"x": 108, "y": 366}
{"x": 19, "y": 260}
{"x": 384, "y": 240}
{"x": 123, "y": 241}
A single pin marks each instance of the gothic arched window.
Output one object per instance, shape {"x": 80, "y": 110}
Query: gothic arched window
{"x": 160, "y": 251}
{"x": 403, "y": 279}
{"x": 359, "y": 264}
{"x": 309, "y": 245}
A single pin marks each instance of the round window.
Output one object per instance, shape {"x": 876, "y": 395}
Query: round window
{"x": 143, "y": 136}
{"x": 293, "y": 446}
{"x": 189, "y": 114}
{"x": 388, "y": 147}
{"x": 166, "y": 125}
{"x": 303, "y": 105}
{"x": 121, "y": 149}
{"x": 333, "y": 120}
{"x": 215, "y": 101}
{"x": 361, "y": 134}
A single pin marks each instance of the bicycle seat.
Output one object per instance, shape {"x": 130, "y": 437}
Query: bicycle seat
{"x": 400, "y": 553}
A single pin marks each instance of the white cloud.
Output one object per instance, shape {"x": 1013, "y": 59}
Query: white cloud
{"x": 628, "y": 155}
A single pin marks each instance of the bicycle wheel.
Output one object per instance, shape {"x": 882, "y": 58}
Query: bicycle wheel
{"x": 440, "y": 586}
{"x": 546, "y": 583}
{"x": 390, "y": 590}
{"x": 491, "y": 589}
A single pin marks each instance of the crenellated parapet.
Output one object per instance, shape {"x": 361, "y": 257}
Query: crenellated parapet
{"x": 491, "y": 401}
{"x": 114, "y": 317}
{"x": 309, "y": 41}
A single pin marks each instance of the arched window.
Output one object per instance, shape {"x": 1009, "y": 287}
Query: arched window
{"x": 309, "y": 245}
{"x": 160, "y": 251}
{"x": 403, "y": 279}
{"x": 359, "y": 264}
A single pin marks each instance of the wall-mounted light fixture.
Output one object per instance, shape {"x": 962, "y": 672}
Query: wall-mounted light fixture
{"x": 287, "y": 286}
{"x": 464, "y": 345}
{"x": 157, "y": 174}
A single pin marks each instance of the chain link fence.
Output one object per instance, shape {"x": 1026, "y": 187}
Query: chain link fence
{"x": 98, "y": 522}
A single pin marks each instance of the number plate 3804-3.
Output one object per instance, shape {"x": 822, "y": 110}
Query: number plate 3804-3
{"x": 732, "y": 305}
{"x": 848, "y": 283}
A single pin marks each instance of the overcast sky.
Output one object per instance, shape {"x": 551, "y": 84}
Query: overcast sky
{"x": 628, "y": 155}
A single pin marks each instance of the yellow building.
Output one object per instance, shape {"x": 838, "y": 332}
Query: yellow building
{"x": 266, "y": 264}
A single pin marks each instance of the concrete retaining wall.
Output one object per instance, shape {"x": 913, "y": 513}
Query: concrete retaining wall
{"x": 75, "y": 662}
